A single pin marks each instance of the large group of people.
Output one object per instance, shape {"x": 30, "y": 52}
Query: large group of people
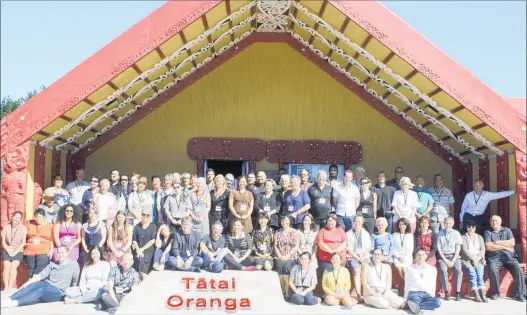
{"x": 324, "y": 239}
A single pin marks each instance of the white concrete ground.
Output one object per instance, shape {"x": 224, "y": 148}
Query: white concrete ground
{"x": 261, "y": 288}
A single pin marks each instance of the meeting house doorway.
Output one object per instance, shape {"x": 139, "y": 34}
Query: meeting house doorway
{"x": 236, "y": 168}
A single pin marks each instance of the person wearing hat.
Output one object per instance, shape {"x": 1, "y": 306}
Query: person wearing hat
{"x": 473, "y": 258}
{"x": 405, "y": 203}
{"x": 61, "y": 196}
{"x": 48, "y": 199}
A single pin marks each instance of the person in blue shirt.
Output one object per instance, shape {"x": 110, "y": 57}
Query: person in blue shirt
{"x": 426, "y": 201}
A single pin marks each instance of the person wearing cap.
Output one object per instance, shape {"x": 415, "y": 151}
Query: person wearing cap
{"x": 405, "y": 203}
{"x": 139, "y": 201}
{"x": 143, "y": 240}
{"x": 213, "y": 248}
{"x": 448, "y": 250}
{"x": 499, "y": 245}
{"x": 48, "y": 199}
{"x": 263, "y": 243}
{"x": 473, "y": 258}
{"x": 476, "y": 202}
{"x": 185, "y": 248}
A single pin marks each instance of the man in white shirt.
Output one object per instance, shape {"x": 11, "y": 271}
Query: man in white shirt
{"x": 77, "y": 188}
{"x": 420, "y": 284}
{"x": 448, "y": 248}
{"x": 476, "y": 202}
{"x": 443, "y": 204}
{"x": 346, "y": 199}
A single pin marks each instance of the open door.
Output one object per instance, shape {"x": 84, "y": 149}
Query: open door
{"x": 245, "y": 168}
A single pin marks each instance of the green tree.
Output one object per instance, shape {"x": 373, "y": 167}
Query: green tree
{"x": 8, "y": 104}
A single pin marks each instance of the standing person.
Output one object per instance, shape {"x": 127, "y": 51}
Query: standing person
{"x": 499, "y": 245}
{"x": 358, "y": 251}
{"x": 213, "y": 249}
{"x": 143, "y": 239}
{"x": 38, "y": 249}
{"x": 473, "y": 258}
{"x": 139, "y": 201}
{"x": 61, "y": 196}
{"x": 286, "y": 250}
{"x": 359, "y": 174}
{"x": 219, "y": 202}
{"x": 48, "y": 285}
{"x": 94, "y": 233}
{"x": 156, "y": 194}
{"x": 333, "y": 175}
{"x": 476, "y": 202}
{"x": 185, "y": 248}
{"x": 241, "y": 203}
{"x": 77, "y": 187}
{"x": 115, "y": 186}
{"x": 396, "y": 181}
{"x": 405, "y": 203}
{"x": 229, "y": 182}
{"x": 269, "y": 202}
{"x": 424, "y": 196}
{"x": 106, "y": 203}
{"x": 384, "y": 199}
{"x": 177, "y": 207}
{"x": 346, "y": 199}
{"x": 285, "y": 185}
{"x": 13, "y": 242}
{"x": 304, "y": 179}
{"x": 120, "y": 235}
{"x": 68, "y": 231}
{"x": 320, "y": 197}
{"x": 121, "y": 281}
{"x": 163, "y": 245}
{"x": 93, "y": 280}
{"x": 377, "y": 284}
{"x": 87, "y": 197}
{"x": 200, "y": 200}
{"x": 337, "y": 285}
{"x": 211, "y": 174}
{"x": 420, "y": 284}
{"x": 303, "y": 281}
{"x": 368, "y": 205}
{"x": 263, "y": 240}
{"x": 449, "y": 250}
{"x": 122, "y": 197}
{"x": 240, "y": 245}
{"x": 296, "y": 201}
{"x": 443, "y": 204}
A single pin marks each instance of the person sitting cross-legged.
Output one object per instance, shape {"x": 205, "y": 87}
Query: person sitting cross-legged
{"x": 49, "y": 285}
{"x": 121, "y": 280}
{"x": 213, "y": 249}
{"x": 185, "y": 248}
{"x": 337, "y": 284}
{"x": 420, "y": 284}
{"x": 302, "y": 281}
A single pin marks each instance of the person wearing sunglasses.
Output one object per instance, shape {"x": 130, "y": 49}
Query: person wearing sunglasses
{"x": 473, "y": 258}
{"x": 395, "y": 182}
{"x": 143, "y": 239}
{"x": 367, "y": 205}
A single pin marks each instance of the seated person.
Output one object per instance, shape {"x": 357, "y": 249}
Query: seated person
{"x": 473, "y": 258}
{"x": 377, "y": 284}
{"x": 302, "y": 281}
{"x": 449, "y": 254}
{"x": 121, "y": 280}
{"x": 163, "y": 246}
{"x": 185, "y": 248}
{"x": 93, "y": 281}
{"x": 420, "y": 284}
{"x": 358, "y": 251}
{"x": 263, "y": 240}
{"x": 499, "y": 243}
{"x": 213, "y": 249}
{"x": 337, "y": 285}
{"x": 383, "y": 240}
{"x": 49, "y": 285}
{"x": 240, "y": 245}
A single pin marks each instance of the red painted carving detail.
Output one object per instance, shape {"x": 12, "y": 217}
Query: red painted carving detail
{"x": 348, "y": 8}
{"x": 241, "y": 149}
{"x": 14, "y": 180}
{"x": 314, "y": 151}
{"x": 55, "y": 165}
{"x": 521, "y": 189}
{"x": 484, "y": 175}
{"x": 502, "y": 170}
{"x": 461, "y": 185}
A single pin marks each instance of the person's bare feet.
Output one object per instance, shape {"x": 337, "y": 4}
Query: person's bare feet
{"x": 70, "y": 301}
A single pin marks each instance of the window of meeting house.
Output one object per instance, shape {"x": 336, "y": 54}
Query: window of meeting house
{"x": 294, "y": 169}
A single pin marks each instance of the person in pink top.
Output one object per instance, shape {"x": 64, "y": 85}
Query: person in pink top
{"x": 67, "y": 231}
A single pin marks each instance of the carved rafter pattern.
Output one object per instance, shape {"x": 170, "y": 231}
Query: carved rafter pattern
{"x": 241, "y": 149}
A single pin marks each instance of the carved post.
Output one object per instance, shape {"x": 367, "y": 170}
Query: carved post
{"x": 521, "y": 184}
{"x": 461, "y": 185}
{"x": 484, "y": 175}
{"x": 502, "y": 170}
{"x": 55, "y": 165}
{"x": 252, "y": 165}
{"x": 14, "y": 180}
{"x": 39, "y": 173}
{"x": 200, "y": 164}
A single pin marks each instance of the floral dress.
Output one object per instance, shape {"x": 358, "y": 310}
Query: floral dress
{"x": 119, "y": 243}
{"x": 199, "y": 209}
{"x": 263, "y": 242}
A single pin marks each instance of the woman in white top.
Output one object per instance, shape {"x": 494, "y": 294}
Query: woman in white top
{"x": 377, "y": 284}
{"x": 139, "y": 200}
{"x": 106, "y": 203}
{"x": 93, "y": 280}
{"x": 403, "y": 248}
{"x": 405, "y": 203}
{"x": 307, "y": 234}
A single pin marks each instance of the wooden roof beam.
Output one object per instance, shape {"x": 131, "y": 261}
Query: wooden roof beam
{"x": 363, "y": 46}
{"x": 342, "y": 29}
{"x": 229, "y": 12}
{"x": 47, "y": 134}
{"x": 497, "y": 144}
{"x": 139, "y": 72}
{"x": 453, "y": 111}
{"x": 462, "y": 132}
{"x": 83, "y": 126}
{"x": 320, "y": 13}
{"x": 377, "y": 69}
{"x": 189, "y": 52}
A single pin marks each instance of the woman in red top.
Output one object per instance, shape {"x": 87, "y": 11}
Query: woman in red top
{"x": 426, "y": 238}
{"x": 39, "y": 245}
{"x": 331, "y": 239}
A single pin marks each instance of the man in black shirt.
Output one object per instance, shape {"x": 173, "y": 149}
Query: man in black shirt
{"x": 394, "y": 182}
{"x": 499, "y": 245}
{"x": 185, "y": 247}
{"x": 213, "y": 249}
{"x": 384, "y": 199}
{"x": 320, "y": 196}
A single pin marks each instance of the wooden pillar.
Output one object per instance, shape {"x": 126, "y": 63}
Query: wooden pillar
{"x": 484, "y": 175}
{"x": 200, "y": 165}
{"x": 502, "y": 172}
{"x": 40, "y": 173}
{"x": 521, "y": 190}
{"x": 461, "y": 185}
{"x": 55, "y": 165}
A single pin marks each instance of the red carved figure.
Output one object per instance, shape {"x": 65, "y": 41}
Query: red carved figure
{"x": 14, "y": 182}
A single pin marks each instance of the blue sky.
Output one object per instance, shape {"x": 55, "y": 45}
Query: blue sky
{"x": 41, "y": 41}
